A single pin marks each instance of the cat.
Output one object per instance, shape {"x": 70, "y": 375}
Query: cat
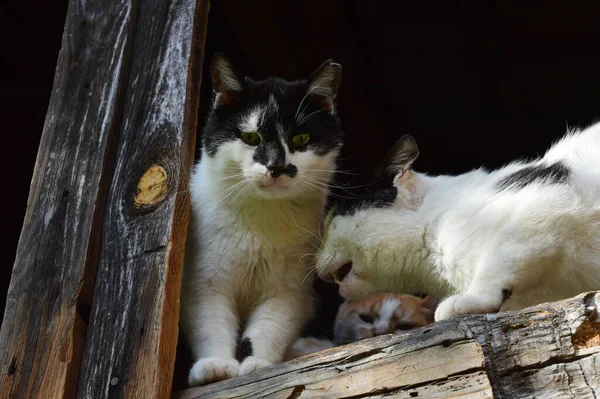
{"x": 377, "y": 314}
{"x": 258, "y": 194}
{"x": 521, "y": 235}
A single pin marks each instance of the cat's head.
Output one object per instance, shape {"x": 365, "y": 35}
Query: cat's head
{"x": 274, "y": 138}
{"x": 380, "y": 314}
{"x": 366, "y": 240}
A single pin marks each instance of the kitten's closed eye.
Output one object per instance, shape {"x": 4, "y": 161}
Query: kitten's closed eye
{"x": 366, "y": 318}
{"x": 405, "y": 326}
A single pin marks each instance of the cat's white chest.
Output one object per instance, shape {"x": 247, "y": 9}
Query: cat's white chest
{"x": 262, "y": 248}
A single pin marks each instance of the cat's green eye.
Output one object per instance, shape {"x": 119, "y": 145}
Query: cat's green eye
{"x": 301, "y": 140}
{"x": 251, "y": 138}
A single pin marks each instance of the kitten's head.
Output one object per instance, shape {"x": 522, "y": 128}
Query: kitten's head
{"x": 365, "y": 240}
{"x": 380, "y": 314}
{"x": 277, "y": 139}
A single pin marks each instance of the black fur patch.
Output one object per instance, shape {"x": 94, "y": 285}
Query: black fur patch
{"x": 244, "y": 349}
{"x": 506, "y": 293}
{"x": 380, "y": 198}
{"x": 557, "y": 173}
{"x": 324, "y": 128}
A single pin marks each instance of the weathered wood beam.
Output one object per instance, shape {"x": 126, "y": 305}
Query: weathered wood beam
{"x": 43, "y": 329}
{"x": 132, "y": 337}
{"x": 551, "y": 350}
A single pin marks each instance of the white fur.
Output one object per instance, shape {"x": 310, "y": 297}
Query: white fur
{"x": 461, "y": 236}
{"x": 249, "y": 259}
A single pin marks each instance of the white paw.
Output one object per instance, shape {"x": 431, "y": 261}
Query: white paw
{"x": 212, "y": 369}
{"x": 460, "y": 305}
{"x": 252, "y": 363}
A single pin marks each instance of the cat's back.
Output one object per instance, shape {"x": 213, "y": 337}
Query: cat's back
{"x": 579, "y": 153}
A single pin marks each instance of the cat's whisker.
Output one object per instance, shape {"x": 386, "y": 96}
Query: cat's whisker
{"x": 230, "y": 177}
{"x": 223, "y": 194}
{"x": 324, "y": 189}
{"x": 307, "y": 274}
{"x": 304, "y": 98}
{"x": 337, "y": 185}
{"x": 242, "y": 192}
{"x": 312, "y": 188}
{"x": 330, "y": 185}
{"x": 307, "y": 117}
{"x": 342, "y": 172}
{"x": 226, "y": 193}
{"x": 307, "y": 231}
{"x": 305, "y": 255}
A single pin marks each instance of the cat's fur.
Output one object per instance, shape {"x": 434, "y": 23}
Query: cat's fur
{"x": 377, "y": 314}
{"x": 524, "y": 234}
{"x": 255, "y": 218}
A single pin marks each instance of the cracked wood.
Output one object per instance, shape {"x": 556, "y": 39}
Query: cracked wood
{"x": 551, "y": 351}
{"x": 131, "y": 342}
{"x": 43, "y": 330}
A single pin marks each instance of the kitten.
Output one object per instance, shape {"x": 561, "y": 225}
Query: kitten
{"x": 377, "y": 314}
{"x": 524, "y": 234}
{"x": 258, "y": 194}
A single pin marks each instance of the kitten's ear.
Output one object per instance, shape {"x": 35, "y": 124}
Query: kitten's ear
{"x": 430, "y": 304}
{"x": 325, "y": 82}
{"x": 224, "y": 76}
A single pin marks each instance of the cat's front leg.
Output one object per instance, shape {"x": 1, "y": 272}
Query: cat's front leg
{"x": 272, "y": 328}
{"x": 491, "y": 286}
{"x": 212, "y": 330}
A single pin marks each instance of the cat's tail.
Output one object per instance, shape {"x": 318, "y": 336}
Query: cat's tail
{"x": 306, "y": 346}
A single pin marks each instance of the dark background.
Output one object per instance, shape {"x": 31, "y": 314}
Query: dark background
{"x": 477, "y": 83}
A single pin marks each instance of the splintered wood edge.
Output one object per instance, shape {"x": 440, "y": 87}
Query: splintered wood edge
{"x": 384, "y": 365}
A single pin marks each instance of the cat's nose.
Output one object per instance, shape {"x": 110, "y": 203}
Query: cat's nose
{"x": 276, "y": 170}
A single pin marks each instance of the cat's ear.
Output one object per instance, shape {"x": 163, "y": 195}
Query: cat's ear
{"x": 325, "y": 82}
{"x": 430, "y": 304}
{"x": 226, "y": 81}
{"x": 401, "y": 156}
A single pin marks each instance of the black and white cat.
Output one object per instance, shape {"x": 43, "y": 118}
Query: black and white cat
{"x": 258, "y": 194}
{"x": 524, "y": 234}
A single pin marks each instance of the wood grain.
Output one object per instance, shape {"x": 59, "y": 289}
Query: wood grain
{"x": 42, "y": 333}
{"x": 549, "y": 351}
{"x": 131, "y": 342}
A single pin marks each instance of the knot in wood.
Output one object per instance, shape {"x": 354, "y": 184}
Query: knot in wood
{"x": 152, "y": 187}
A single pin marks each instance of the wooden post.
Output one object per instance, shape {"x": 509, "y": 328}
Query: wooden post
{"x": 132, "y": 338}
{"x": 43, "y": 328}
{"x": 547, "y": 351}
{"x": 108, "y": 199}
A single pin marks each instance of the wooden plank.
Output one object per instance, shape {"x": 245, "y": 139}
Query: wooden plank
{"x": 534, "y": 338}
{"x": 578, "y": 379}
{"x": 550, "y": 350}
{"x": 466, "y": 386}
{"x": 131, "y": 342}
{"x": 43, "y": 330}
{"x": 383, "y": 364}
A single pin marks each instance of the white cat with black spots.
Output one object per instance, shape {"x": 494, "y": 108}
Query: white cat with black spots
{"x": 521, "y": 235}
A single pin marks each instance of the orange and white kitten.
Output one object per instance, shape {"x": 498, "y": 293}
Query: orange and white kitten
{"x": 374, "y": 315}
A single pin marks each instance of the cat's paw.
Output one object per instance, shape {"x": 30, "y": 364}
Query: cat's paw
{"x": 460, "y": 305}
{"x": 212, "y": 369}
{"x": 252, "y": 363}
